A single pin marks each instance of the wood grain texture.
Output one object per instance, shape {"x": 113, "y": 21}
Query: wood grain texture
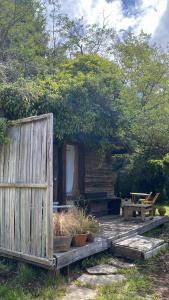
{"x": 75, "y": 254}
{"x": 49, "y": 196}
{"x": 98, "y": 175}
{"x": 26, "y": 190}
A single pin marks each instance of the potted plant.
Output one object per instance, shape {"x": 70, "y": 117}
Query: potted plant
{"x": 62, "y": 231}
{"x": 162, "y": 211}
{"x": 93, "y": 226}
{"x": 81, "y": 227}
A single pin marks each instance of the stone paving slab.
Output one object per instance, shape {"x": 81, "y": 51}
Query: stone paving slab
{"x": 119, "y": 263}
{"x": 102, "y": 270}
{"x": 140, "y": 243}
{"x": 79, "y": 293}
{"x": 99, "y": 280}
{"x": 138, "y": 247}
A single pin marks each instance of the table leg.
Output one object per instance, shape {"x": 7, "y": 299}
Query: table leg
{"x": 143, "y": 214}
{"x": 128, "y": 212}
{"x": 125, "y": 213}
{"x": 133, "y": 199}
{"x": 152, "y": 212}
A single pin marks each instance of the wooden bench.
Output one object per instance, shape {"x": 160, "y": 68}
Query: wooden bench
{"x": 99, "y": 204}
{"x": 130, "y": 209}
{"x": 57, "y": 207}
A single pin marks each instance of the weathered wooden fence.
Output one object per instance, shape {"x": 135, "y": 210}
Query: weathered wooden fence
{"x": 26, "y": 190}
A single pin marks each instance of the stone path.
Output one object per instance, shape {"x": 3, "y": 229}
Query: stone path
{"x": 99, "y": 280}
{"x": 79, "y": 293}
{"x": 121, "y": 263}
{"x": 102, "y": 270}
{"x": 95, "y": 277}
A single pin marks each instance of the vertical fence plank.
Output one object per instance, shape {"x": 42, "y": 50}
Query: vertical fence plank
{"x": 49, "y": 196}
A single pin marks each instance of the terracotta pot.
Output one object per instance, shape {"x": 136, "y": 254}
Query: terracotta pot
{"x": 62, "y": 243}
{"x": 90, "y": 236}
{"x": 162, "y": 211}
{"x": 80, "y": 239}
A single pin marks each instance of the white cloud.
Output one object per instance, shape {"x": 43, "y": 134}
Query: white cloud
{"x": 161, "y": 35}
{"x": 149, "y": 17}
{"x": 93, "y": 11}
{"x": 151, "y": 14}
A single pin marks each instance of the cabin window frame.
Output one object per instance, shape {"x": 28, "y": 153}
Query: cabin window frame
{"x": 75, "y": 183}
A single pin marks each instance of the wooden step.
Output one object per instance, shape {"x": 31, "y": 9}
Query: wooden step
{"x": 137, "y": 246}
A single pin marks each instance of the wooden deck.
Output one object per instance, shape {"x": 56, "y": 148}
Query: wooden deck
{"x": 113, "y": 228}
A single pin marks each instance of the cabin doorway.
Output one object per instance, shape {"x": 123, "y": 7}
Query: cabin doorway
{"x": 71, "y": 170}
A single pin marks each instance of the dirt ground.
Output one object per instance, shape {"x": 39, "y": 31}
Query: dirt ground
{"x": 160, "y": 278}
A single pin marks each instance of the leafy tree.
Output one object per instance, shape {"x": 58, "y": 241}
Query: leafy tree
{"x": 85, "y": 38}
{"x": 23, "y": 39}
{"x": 83, "y": 95}
{"x": 144, "y": 96}
{"x": 76, "y": 36}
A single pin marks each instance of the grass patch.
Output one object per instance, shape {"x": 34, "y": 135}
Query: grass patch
{"x": 97, "y": 259}
{"x": 30, "y": 283}
{"x": 137, "y": 286}
{"x": 7, "y": 266}
{"x": 165, "y": 205}
{"x": 161, "y": 232}
{"x": 27, "y": 274}
{"x": 10, "y": 293}
{"x": 87, "y": 285}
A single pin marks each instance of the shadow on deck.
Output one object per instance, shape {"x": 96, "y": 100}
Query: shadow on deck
{"x": 113, "y": 228}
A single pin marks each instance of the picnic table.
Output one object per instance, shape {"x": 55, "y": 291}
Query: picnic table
{"x": 130, "y": 209}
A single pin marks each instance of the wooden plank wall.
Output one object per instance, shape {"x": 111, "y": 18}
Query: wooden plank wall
{"x": 26, "y": 190}
{"x": 98, "y": 176}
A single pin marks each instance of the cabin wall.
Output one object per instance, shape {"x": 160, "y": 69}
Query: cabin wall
{"x": 98, "y": 175}
{"x": 93, "y": 176}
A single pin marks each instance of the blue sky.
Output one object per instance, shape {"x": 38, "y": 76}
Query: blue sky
{"x": 151, "y": 16}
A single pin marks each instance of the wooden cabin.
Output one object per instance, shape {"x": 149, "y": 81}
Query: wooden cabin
{"x": 79, "y": 173}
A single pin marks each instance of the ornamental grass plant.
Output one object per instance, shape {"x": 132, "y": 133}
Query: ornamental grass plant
{"x": 81, "y": 220}
{"x": 63, "y": 224}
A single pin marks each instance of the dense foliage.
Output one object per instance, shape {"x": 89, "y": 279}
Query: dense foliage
{"x": 96, "y": 84}
{"x": 83, "y": 95}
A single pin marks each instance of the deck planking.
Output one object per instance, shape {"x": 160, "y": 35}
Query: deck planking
{"x": 113, "y": 228}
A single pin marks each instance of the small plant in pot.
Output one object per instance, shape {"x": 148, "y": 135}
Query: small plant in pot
{"x": 63, "y": 224}
{"x": 162, "y": 211}
{"x": 93, "y": 226}
{"x": 81, "y": 227}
